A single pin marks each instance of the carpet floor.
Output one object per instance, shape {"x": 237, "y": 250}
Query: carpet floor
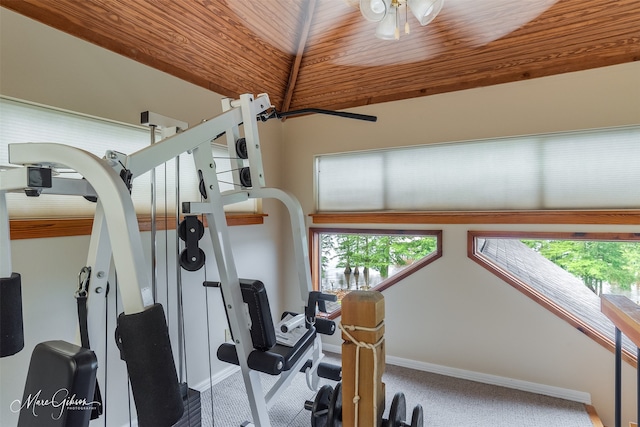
{"x": 447, "y": 402}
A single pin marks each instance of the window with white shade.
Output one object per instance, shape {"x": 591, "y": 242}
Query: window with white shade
{"x": 22, "y": 122}
{"x": 594, "y": 169}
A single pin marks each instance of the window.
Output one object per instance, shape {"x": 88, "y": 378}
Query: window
{"x": 348, "y": 259}
{"x": 548, "y": 171}
{"x": 566, "y": 273}
{"x": 26, "y": 122}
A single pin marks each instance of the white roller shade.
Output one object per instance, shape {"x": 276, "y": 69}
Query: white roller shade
{"x": 596, "y": 169}
{"x": 26, "y": 122}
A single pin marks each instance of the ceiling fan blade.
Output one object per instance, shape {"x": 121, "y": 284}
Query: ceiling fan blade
{"x": 481, "y": 22}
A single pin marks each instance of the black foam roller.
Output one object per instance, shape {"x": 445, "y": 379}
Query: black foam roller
{"x": 144, "y": 344}
{"x": 11, "y": 331}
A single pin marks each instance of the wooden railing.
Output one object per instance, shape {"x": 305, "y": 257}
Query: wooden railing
{"x": 625, "y": 315}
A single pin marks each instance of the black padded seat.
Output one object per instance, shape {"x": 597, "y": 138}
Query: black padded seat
{"x": 278, "y": 359}
{"x": 268, "y": 356}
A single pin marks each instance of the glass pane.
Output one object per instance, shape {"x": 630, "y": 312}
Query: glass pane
{"x": 365, "y": 261}
{"x": 571, "y": 273}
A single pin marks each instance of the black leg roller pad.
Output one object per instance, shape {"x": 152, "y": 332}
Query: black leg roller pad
{"x": 143, "y": 339}
{"x": 11, "y": 332}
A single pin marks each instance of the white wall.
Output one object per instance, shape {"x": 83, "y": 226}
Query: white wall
{"x": 46, "y": 66}
{"x": 453, "y": 312}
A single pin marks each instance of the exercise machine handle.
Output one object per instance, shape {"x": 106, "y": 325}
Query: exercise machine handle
{"x": 318, "y": 299}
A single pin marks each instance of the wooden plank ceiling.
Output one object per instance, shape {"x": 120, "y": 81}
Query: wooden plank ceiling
{"x": 323, "y": 54}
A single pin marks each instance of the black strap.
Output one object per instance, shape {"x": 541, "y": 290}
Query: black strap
{"x": 81, "y": 298}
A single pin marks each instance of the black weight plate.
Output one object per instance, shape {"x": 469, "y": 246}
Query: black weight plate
{"x": 398, "y": 410}
{"x": 417, "y": 417}
{"x": 192, "y": 264}
{"x": 320, "y": 409}
{"x": 335, "y": 407}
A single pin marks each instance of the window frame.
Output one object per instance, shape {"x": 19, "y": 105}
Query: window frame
{"x": 538, "y": 297}
{"x": 314, "y": 251}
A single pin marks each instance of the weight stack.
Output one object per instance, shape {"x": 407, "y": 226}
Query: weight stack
{"x": 192, "y": 416}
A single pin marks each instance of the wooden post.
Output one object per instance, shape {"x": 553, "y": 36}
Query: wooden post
{"x": 363, "y": 361}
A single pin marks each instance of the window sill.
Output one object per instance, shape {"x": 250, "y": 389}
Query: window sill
{"x": 617, "y": 217}
{"x": 65, "y": 227}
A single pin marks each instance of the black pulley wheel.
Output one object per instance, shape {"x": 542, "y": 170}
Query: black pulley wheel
{"x": 193, "y": 263}
{"x": 417, "y": 417}
{"x": 245, "y": 177}
{"x": 320, "y": 408}
{"x": 335, "y": 407}
{"x": 398, "y": 411}
{"x": 197, "y": 228}
{"x": 241, "y": 148}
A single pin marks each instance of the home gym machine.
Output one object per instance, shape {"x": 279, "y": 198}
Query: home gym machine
{"x": 141, "y": 334}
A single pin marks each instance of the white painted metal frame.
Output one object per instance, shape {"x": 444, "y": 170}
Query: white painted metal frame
{"x": 116, "y": 226}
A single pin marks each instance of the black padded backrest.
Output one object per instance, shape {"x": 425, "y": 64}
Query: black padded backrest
{"x": 263, "y": 332}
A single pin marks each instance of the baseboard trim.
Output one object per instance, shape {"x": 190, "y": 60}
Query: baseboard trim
{"x": 547, "y": 390}
{"x": 204, "y": 385}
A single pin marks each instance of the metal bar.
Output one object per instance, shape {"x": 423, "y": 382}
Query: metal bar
{"x": 5, "y": 238}
{"x": 298, "y": 230}
{"x": 344, "y": 114}
{"x": 180, "y": 312}
{"x": 122, "y": 223}
{"x": 250, "y": 109}
{"x": 233, "y": 134}
{"x": 154, "y": 155}
{"x": 618, "y": 376}
{"x": 154, "y": 210}
{"x": 99, "y": 259}
{"x": 230, "y": 283}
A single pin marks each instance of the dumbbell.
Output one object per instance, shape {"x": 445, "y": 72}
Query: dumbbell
{"x": 326, "y": 408}
{"x": 398, "y": 413}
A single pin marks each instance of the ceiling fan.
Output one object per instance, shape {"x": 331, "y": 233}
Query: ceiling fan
{"x": 468, "y": 22}
{"x": 386, "y": 14}
{"x": 343, "y": 23}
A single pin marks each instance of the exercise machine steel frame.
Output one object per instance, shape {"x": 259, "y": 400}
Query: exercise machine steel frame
{"x": 116, "y": 225}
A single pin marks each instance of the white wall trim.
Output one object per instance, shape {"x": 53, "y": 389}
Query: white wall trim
{"x": 547, "y": 390}
{"x": 204, "y": 385}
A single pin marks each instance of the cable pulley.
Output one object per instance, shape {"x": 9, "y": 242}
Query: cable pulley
{"x": 196, "y": 228}
{"x": 241, "y": 148}
{"x": 245, "y": 177}
{"x": 191, "y": 230}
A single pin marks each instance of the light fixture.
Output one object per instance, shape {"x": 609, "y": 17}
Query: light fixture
{"x": 386, "y": 13}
